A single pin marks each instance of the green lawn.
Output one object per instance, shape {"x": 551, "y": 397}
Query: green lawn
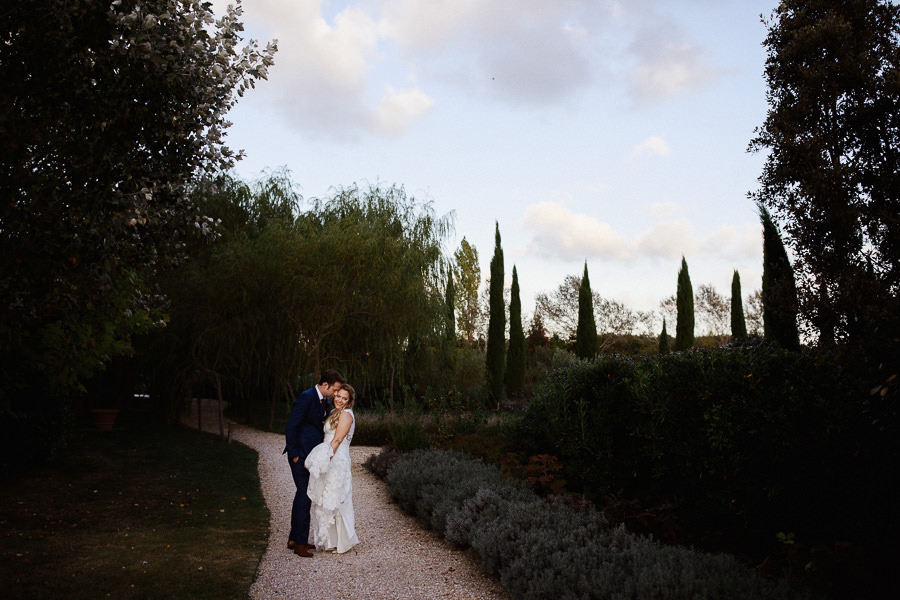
{"x": 142, "y": 511}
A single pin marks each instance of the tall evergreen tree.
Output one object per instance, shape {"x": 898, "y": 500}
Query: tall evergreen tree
{"x": 779, "y": 292}
{"x": 537, "y": 333}
{"x": 587, "y": 345}
{"x": 832, "y": 173}
{"x": 496, "y": 341}
{"x": 450, "y": 307}
{"x": 664, "y": 340}
{"x": 684, "y": 302}
{"x": 738, "y": 324}
{"x": 515, "y": 358}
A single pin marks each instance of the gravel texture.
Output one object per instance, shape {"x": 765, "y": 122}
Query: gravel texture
{"x": 397, "y": 558}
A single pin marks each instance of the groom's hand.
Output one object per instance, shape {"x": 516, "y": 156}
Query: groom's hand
{"x": 296, "y": 458}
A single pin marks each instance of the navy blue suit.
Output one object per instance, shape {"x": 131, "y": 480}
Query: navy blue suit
{"x": 303, "y": 433}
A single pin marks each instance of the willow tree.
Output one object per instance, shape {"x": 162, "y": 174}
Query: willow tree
{"x": 496, "y": 340}
{"x": 684, "y": 302}
{"x": 374, "y": 260}
{"x": 515, "y": 358}
{"x": 231, "y": 304}
{"x": 586, "y": 341}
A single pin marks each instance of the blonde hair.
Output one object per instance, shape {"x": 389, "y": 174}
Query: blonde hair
{"x": 336, "y": 413}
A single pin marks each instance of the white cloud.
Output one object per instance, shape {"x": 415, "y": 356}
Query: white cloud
{"x": 520, "y": 51}
{"x": 323, "y": 75}
{"x": 661, "y": 210}
{"x": 666, "y": 64}
{"x": 652, "y": 146}
{"x": 736, "y": 243}
{"x": 336, "y": 57}
{"x": 671, "y": 239}
{"x": 398, "y": 109}
{"x": 426, "y": 25}
{"x": 559, "y": 233}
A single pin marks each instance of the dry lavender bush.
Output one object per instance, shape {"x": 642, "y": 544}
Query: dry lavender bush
{"x": 546, "y": 548}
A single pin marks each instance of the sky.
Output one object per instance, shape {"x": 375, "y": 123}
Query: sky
{"x": 611, "y": 133}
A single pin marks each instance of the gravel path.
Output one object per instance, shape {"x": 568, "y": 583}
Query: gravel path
{"x": 396, "y": 559}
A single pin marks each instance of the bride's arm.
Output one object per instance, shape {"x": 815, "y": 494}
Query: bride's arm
{"x": 343, "y": 426}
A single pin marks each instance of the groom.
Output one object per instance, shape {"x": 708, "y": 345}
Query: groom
{"x": 303, "y": 433}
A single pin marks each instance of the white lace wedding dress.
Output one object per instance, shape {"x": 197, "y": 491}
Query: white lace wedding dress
{"x": 331, "y": 491}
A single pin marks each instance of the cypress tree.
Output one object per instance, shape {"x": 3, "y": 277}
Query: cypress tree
{"x": 664, "y": 340}
{"x": 684, "y": 302}
{"x": 515, "y": 357}
{"x": 450, "y": 307}
{"x": 779, "y": 292}
{"x": 586, "y": 343}
{"x": 496, "y": 341}
{"x": 738, "y": 324}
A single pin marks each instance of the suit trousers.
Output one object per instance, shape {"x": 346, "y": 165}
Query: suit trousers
{"x": 302, "y": 504}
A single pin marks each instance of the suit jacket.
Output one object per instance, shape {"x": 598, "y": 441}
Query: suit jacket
{"x": 304, "y": 426}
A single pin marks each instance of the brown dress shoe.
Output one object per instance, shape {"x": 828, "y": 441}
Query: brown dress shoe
{"x": 291, "y": 544}
{"x": 302, "y": 550}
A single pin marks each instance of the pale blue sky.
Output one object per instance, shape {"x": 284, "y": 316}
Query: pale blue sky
{"x": 611, "y": 132}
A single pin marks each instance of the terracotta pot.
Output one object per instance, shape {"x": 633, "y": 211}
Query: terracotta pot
{"x": 104, "y": 418}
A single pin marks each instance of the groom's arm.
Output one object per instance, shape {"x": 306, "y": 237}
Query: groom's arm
{"x": 294, "y": 426}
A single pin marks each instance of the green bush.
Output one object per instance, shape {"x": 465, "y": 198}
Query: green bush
{"x": 549, "y": 549}
{"x": 754, "y": 437}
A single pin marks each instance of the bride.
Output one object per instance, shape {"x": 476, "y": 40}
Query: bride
{"x": 330, "y": 486}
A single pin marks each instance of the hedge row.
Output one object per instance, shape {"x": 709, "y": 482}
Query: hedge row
{"x": 758, "y": 437}
{"x": 545, "y": 548}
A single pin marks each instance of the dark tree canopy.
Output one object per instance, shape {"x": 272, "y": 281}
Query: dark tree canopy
{"x": 738, "y": 323}
{"x": 832, "y": 172}
{"x": 110, "y": 112}
{"x": 779, "y": 290}
{"x": 684, "y": 302}
{"x": 515, "y": 357}
{"x": 664, "y": 340}
{"x": 587, "y": 344}
{"x": 495, "y": 358}
{"x": 450, "y": 307}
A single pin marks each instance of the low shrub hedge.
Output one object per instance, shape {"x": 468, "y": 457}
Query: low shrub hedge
{"x": 754, "y": 438}
{"x": 545, "y": 549}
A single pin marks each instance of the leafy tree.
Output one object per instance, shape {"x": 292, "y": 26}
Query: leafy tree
{"x": 111, "y": 110}
{"x": 779, "y": 292}
{"x": 664, "y": 340}
{"x": 586, "y": 341}
{"x": 350, "y": 283}
{"x": 496, "y": 340}
{"x": 684, "y": 300}
{"x": 375, "y": 258}
{"x": 738, "y": 324}
{"x": 560, "y": 310}
{"x": 515, "y": 357}
{"x": 714, "y": 309}
{"x": 468, "y": 276}
{"x": 537, "y": 334}
{"x": 669, "y": 308}
{"x": 832, "y": 171}
{"x": 754, "y": 314}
